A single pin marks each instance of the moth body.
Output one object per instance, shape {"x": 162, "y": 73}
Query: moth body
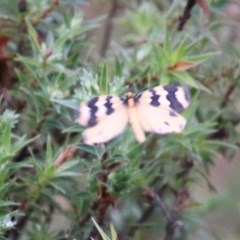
{"x": 133, "y": 118}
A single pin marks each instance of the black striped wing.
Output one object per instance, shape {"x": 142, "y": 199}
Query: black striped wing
{"x": 105, "y": 116}
{"x": 158, "y": 109}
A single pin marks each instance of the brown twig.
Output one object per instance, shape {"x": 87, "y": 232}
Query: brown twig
{"x": 181, "y": 197}
{"x": 22, "y": 6}
{"x": 108, "y": 28}
{"x": 64, "y": 156}
{"x": 104, "y": 198}
{"x": 221, "y": 131}
{"x": 151, "y": 194}
{"x": 227, "y": 95}
{"x": 186, "y": 14}
{"x": 187, "y": 11}
{"x": 172, "y": 222}
{"x": 54, "y": 4}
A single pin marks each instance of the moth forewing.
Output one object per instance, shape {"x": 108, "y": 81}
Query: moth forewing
{"x": 97, "y": 109}
{"x": 107, "y": 129}
{"x": 106, "y": 117}
{"x": 83, "y": 115}
{"x": 134, "y": 119}
{"x": 175, "y": 97}
{"x": 183, "y": 96}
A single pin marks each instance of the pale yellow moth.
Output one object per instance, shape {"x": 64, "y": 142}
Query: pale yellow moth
{"x": 155, "y": 110}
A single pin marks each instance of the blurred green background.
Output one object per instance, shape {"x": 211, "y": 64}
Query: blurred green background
{"x": 56, "y": 54}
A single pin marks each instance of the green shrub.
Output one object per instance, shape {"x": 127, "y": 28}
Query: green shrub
{"x": 52, "y": 59}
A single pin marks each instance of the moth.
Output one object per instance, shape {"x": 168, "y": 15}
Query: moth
{"x": 155, "y": 110}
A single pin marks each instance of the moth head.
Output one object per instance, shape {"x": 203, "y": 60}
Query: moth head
{"x": 129, "y": 95}
{"x": 130, "y": 99}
